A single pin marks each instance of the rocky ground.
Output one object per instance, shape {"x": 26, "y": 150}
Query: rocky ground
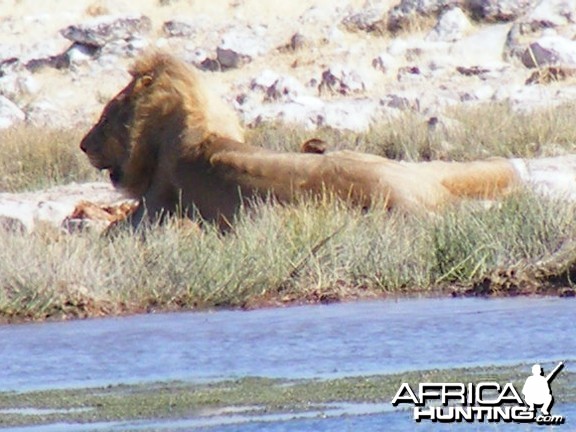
{"x": 341, "y": 63}
{"x": 346, "y": 64}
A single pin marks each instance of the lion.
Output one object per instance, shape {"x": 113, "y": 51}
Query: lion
{"x": 167, "y": 142}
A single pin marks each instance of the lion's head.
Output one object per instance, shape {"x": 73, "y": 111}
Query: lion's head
{"x": 107, "y": 144}
{"x": 164, "y": 101}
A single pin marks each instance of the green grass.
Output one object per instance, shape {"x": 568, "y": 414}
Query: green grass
{"x": 308, "y": 252}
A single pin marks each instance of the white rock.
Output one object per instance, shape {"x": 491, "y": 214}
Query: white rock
{"x": 289, "y": 88}
{"x": 278, "y": 87}
{"x": 19, "y": 84}
{"x": 483, "y": 93}
{"x": 554, "y": 13}
{"x": 9, "y": 64}
{"x": 13, "y": 208}
{"x": 246, "y": 42}
{"x": 311, "y": 112}
{"x": 408, "y": 100}
{"x": 302, "y": 110}
{"x": 265, "y": 80}
{"x": 10, "y": 114}
{"x": 483, "y": 47}
{"x": 526, "y": 99}
{"x": 398, "y": 47}
{"x": 185, "y": 27}
{"x": 369, "y": 19}
{"x": 413, "y": 49}
{"x": 334, "y": 35}
{"x": 452, "y": 25}
{"x": 406, "y": 10}
{"x": 125, "y": 48}
{"x": 298, "y": 113}
{"x": 105, "y": 29}
{"x": 29, "y": 85}
{"x": 342, "y": 79}
{"x": 312, "y": 102}
{"x": 80, "y": 54}
{"x": 54, "y": 113}
{"x": 356, "y": 115}
{"x": 177, "y": 28}
{"x": 52, "y": 212}
{"x": 194, "y": 55}
{"x": 5, "y": 123}
{"x": 385, "y": 62}
{"x": 499, "y": 10}
{"x": 45, "y": 48}
{"x": 550, "y": 50}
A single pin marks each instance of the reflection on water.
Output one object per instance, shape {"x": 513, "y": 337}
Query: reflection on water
{"x": 334, "y": 340}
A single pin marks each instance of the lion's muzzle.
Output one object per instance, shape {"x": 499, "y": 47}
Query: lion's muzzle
{"x": 84, "y": 145}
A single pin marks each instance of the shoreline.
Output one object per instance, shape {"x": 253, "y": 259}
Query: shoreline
{"x": 278, "y": 303}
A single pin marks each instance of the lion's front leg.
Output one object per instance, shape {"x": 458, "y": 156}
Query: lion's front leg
{"x": 151, "y": 210}
{"x": 135, "y": 219}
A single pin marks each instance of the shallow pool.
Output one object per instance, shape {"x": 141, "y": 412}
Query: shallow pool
{"x": 308, "y": 341}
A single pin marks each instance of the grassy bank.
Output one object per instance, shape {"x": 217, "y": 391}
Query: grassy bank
{"x": 252, "y": 397}
{"x": 319, "y": 251}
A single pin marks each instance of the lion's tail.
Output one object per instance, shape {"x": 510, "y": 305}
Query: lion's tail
{"x": 486, "y": 179}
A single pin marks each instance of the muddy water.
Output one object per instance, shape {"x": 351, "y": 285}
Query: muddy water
{"x": 309, "y": 341}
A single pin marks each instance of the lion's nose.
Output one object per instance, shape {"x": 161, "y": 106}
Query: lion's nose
{"x": 83, "y": 146}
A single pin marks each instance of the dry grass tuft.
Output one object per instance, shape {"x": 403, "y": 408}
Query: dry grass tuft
{"x": 34, "y": 158}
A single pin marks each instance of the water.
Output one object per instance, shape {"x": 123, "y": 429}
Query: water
{"x": 309, "y": 341}
{"x": 296, "y": 342}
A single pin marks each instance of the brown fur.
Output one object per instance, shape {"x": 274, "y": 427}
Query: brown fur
{"x": 431, "y": 185}
{"x": 168, "y": 143}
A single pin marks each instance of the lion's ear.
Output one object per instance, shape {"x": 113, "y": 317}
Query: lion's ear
{"x": 146, "y": 80}
{"x": 143, "y": 82}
